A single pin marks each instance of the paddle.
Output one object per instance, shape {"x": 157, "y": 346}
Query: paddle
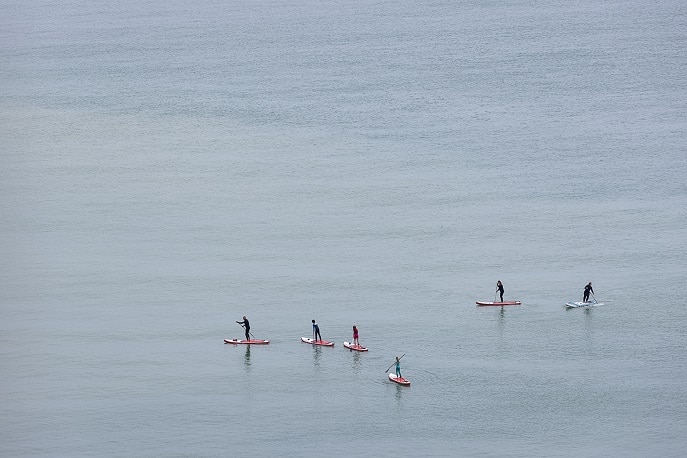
{"x": 393, "y": 364}
{"x": 595, "y": 301}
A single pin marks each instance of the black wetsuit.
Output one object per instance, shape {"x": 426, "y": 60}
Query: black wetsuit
{"x": 500, "y": 289}
{"x": 587, "y": 290}
{"x": 246, "y": 325}
{"x": 316, "y": 331}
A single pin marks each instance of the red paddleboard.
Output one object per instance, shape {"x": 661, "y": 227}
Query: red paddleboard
{"x": 247, "y": 342}
{"x": 324, "y": 343}
{"x": 399, "y": 380}
{"x": 498, "y": 304}
{"x": 351, "y": 346}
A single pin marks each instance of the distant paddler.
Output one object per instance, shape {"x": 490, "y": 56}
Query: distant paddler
{"x": 587, "y": 290}
{"x": 499, "y": 289}
{"x": 316, "y": 336}
{"x": 246, "y": 325}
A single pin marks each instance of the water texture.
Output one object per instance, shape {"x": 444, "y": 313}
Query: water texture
{"x": 167, "y": 168}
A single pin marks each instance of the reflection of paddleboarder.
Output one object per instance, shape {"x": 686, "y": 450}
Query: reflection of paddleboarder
{"x": 316, "y": 331}
{"x": 246, "y": 325}
{"x": 499, "y": 289}
{"x": 587, "y": 290}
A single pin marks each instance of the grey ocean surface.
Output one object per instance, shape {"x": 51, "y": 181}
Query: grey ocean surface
{"x": 168, "y": 167}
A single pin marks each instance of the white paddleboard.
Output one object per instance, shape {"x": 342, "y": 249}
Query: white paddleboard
{"x": 583, "y": 304}
{"x": 399, "y": 380}
{"x": 351, "y": 346}
{"x": 324, "y": 343}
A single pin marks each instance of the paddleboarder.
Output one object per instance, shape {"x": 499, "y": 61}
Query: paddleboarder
{"x": 246, "y": 326}
{"x": 398, "y": 367}
{"x": 316, "y": 331}
{"x": 499, "y": 289}
{"x": 355, "y": 336}
{"x": 587, "y": 290}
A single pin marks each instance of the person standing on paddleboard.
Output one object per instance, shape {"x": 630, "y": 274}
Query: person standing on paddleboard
{"x": 246, "y": 325}
{"x": 355, "y": 336}
{"x": 316, "y": 331}
{"x": 587, "y": 290}
{"x": 398, "y": 367}
{"x": 499, "y": 288}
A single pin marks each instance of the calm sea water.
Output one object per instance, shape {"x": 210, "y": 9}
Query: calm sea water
{"x": 168, "y": 167}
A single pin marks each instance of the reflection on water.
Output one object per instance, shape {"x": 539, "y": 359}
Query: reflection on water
{"x": 590, "y": 328}
{"x": 356, "y": 361}
{"x": 501, "y": 326}
{"x": 317, "y": 351}
{"x": 246, "y": 358}
{"x": 399, "y": 391}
